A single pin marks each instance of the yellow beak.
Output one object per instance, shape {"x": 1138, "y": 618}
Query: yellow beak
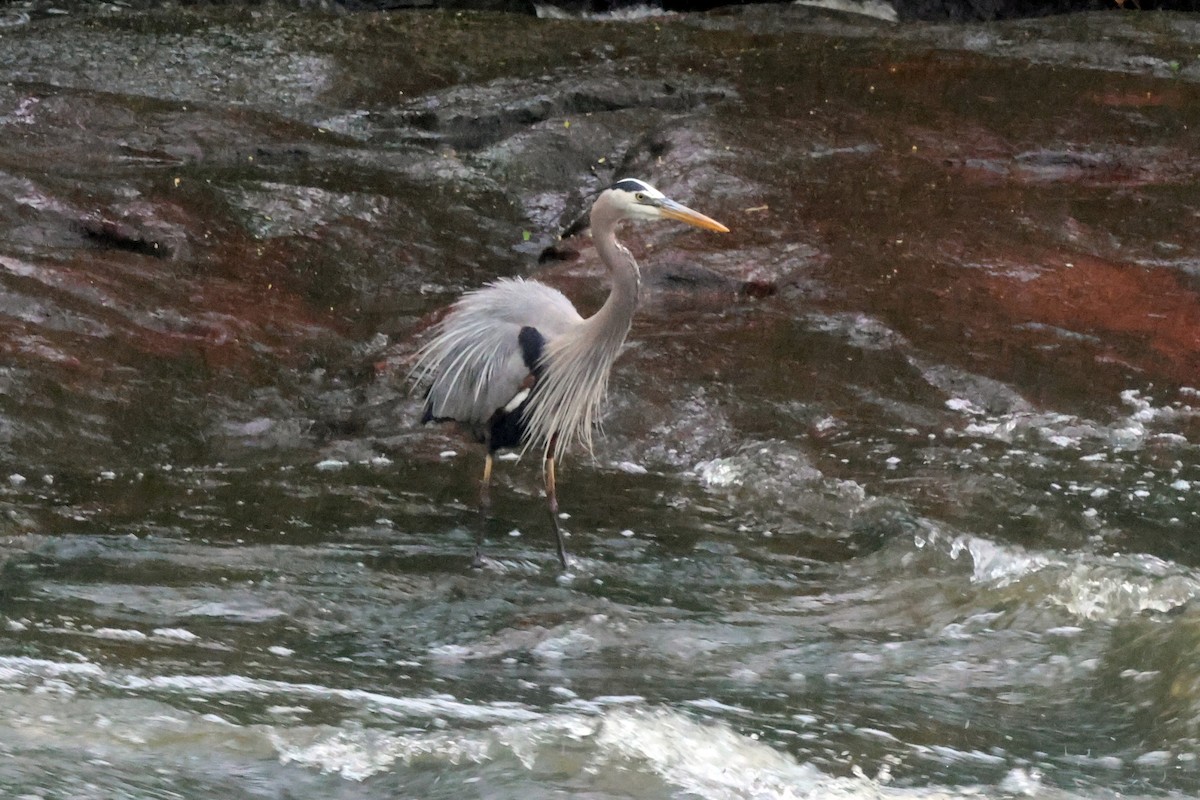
{"x": 672, "y": 210}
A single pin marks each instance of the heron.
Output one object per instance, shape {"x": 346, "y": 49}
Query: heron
{"x": 518, "y": 368}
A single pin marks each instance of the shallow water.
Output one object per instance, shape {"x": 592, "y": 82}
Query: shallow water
{"x": 898, "y": 487}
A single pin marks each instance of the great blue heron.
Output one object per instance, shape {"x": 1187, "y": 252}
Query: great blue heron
{"x": 517, "y": 366}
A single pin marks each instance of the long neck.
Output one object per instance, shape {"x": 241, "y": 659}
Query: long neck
{"x": 613, "y": 319}
{"x": 577, "y": 362}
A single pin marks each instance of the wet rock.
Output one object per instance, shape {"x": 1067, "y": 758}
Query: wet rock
{"x": 248, "y": 233}
{"x": 107, "y": 233}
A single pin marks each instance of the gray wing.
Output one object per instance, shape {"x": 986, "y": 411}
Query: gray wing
{"x": 474, "y": 364}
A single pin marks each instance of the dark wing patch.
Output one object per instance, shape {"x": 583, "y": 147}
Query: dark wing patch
{"x": 532, "y": 343}
{"x": 507, "y": 426}
{"x": 508, "y": 423}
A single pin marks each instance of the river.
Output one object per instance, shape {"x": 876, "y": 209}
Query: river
{"x": 898, "y": 481}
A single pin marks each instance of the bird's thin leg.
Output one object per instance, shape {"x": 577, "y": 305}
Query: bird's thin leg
{"x": 485, "y": 485}
{"x": 552, "y": 503}
{"x": 485, "y": 509}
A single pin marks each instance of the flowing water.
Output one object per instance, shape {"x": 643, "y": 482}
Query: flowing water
{"x": 898, "y": 492}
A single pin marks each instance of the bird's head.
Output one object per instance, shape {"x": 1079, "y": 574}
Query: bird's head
{"x": 634, "y": 199}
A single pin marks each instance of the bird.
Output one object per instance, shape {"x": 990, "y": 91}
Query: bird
{"x": 518, "y": 368}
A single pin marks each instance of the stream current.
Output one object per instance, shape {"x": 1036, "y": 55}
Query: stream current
{"x": 898, "y": 482}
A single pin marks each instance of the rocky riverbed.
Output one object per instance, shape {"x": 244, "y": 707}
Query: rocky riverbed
{"x": 898, "y": 487}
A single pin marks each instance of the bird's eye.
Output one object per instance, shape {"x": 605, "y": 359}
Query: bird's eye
{"x": 640, "y": 197}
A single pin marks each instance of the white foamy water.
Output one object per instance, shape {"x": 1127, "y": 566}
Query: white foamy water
{"x": 868, "y": 8}
{"x": 611, "y": 750}
{"x": 1091, "y": 587}
{"x": 1146, "y": 421}
{"x": 618, "y": 746}
{"x": 779, "y": 480}
{"x": 16, "y": 671}
{"x": 653, "y": 752}
{"x": 631, "y": 13}
{"x": 394, "y": 706}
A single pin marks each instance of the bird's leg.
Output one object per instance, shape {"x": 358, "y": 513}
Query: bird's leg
{"x": 485, "y": 485}
{"x": 552, "y": 502}
{"x": 485, "y": 508}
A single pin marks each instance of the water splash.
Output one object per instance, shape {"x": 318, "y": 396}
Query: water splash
{"x": 1091, "y": 587}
